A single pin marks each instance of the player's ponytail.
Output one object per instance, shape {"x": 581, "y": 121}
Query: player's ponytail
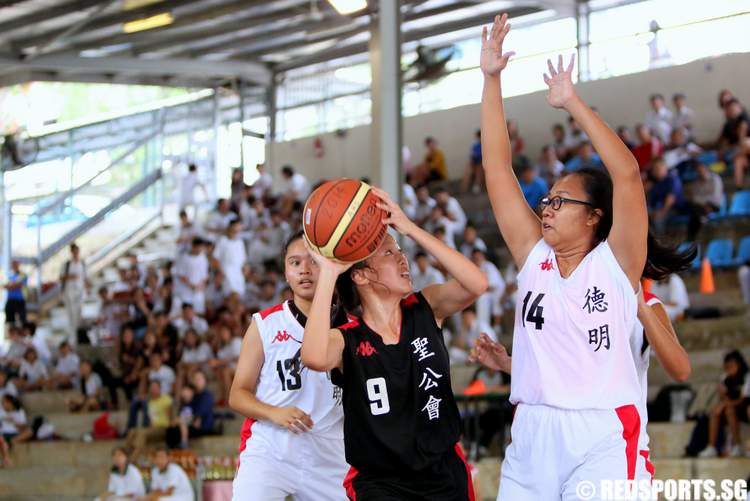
{"x": 346, "y": 291}
{"x": 662, "y": 260}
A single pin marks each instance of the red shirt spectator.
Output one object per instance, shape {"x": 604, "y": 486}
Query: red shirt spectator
{"x": 649, "y": 147}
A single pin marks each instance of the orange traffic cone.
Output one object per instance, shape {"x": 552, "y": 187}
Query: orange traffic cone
{"x": 477, "y": 387}
{"x": 707, "y": 277}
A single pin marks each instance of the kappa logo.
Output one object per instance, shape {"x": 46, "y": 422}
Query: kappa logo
{"x": 282, "y": 336}
{"x": 365, "y": 349}
{"x": 547, "y": 265}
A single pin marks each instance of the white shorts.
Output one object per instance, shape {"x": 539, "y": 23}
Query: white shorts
{"x": 314, "y": 472}
{"x": 553, "y": 450}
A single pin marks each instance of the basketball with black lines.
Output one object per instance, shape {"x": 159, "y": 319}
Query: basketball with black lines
{"x": 341, "y": 220}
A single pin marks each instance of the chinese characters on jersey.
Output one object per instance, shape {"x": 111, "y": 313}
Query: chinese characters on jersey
{"x": 429, "y": 377}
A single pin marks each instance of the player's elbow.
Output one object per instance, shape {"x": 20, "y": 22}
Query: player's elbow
{"x": 682, "y": 373}
{"x": 235, "y": 398}
{"x": 315, "y": 361}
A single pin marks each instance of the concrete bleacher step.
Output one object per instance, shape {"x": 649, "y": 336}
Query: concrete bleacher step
{"x": 668, "y": 440}
{"x": 73, "y": 426}
{"x": 37, "y": 481}
{"x": 45, "y": 402}
{"x": 64, "y": 453}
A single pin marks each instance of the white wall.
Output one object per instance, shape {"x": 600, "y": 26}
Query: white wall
{"x": 621, "y": 101}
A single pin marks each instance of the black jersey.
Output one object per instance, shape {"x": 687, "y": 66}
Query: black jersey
{"x": 399, "y": 410}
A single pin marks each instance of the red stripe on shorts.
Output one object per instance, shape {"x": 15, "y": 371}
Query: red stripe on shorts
{"x": 631, "y": 429}
{"x": 245, "y": 434}
{"x": 649, "y": 465}
{"x": 349, "y": 483}
{"x": 469, "y": 481}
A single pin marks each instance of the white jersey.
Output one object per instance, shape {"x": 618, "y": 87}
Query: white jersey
{"x": 641, "y": 357}
{"x": 571, "y": 341}
{"x": 284, "y": 381}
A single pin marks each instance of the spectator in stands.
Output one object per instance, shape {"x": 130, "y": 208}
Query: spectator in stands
{"x": 574, "y": 136}
{"x": 190, "y": 321}
{"x": 220, "y": 219}
{"x": 39, "y": 342}
{"x": 125, "y": 480}
{"x": 649, "y": 147}
{"x": 73, "y": 279}
{"x": 684, "y": 117}
{"x": 624, "y": 134}
{"x": 706, "y": 195}
{"x": 191, "y": 272}
{"x": 585, "y": 157}
{"x": 129, "y": 360}
{"x": 231, "y": 255}
{"x": 195, "y": 355}
{"x": 196, "y": 412}
{"x": 296, "y": 191}
{"x": 665, "y": 197}
{"x": 681, "y": 152}
{"x": 217, "y": 290}
{"x": 156, "y": 409}
{"x": 660, "y": 118}
{"x": 439, "y": 221}
{"x": 266, "y": 241}
{"x": 425, "y": 203}
{"x": 225, "y": 362}
{"x": 167, "y": 336}
{"x": 136, "y": 270}
{"x": 452, "y": 209}
{"x": 15, "y": 298}
{"x": 674, "y": 296}
{"x": 409, "y": 197}
{"x": 549, "y": 167}
{"x": 32, "y": 373}
{"x": 471, "y": 328}
{"x": 160, "y": 372}
{"x": 743, "y": 275}
{"x": 91, "y": 397}
{"x": 473, "y": 180}
{"x": 732, "y": 405}
{"x": 725, "y": 95}
{"x": 11, "y": 361}
{"x": 559, "y": 142}
{"x": 433, "y": 168}
{"x": 534, "y": 188}
{"x": 189, "y": 182}
{"x": 237, "y": 188}
{"x": 113, "y": 311}
{"x": 488, "y": 307}
{"x": 734, "y": 143}
{"x": 6, "y": 385}
{"x": 261, "y": 188}
{"x": 471, "y": 242}
{"x": 424, "y": 273}
{"x": 517, "y": 143}
{"x": 66, "y": 371}
{"x": 168, "y": 480}
{"x": 187, "y": 232}
{"x": 12, "y": 422}
{"x": 267, "y": 296}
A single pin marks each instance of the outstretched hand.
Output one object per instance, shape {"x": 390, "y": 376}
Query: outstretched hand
{"x": 491, "y": 354}
{"x": 560, "y": 82}
{"x": 493, "y": 61}
{"x": 324, "y": 263}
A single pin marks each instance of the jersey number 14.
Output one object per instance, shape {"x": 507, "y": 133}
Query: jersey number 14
{"x": 535, "y": 313}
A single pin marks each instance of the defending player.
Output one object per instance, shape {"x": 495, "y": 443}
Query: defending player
{"x": 292, "y": 442}
{"x": 401, "y": 422}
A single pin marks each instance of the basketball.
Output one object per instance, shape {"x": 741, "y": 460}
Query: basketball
{"x": 341, "y": 220}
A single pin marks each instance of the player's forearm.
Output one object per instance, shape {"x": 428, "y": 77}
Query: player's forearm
{"x": 496, "y": 151}
{"x": 315, "y": 342}
{"x": 247, "y": 404}
{"x": 670, "y": 353}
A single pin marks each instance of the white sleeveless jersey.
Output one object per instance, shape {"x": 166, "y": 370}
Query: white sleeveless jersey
{"x": 641, "y": 358}
{"x": 571, "y": 341}
{"x": 284, "y": 381}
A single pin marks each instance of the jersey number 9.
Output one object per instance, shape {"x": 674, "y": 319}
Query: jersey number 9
{"x": 378, "y": 395}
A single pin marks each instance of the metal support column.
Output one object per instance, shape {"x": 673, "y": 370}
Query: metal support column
{"x": 212, "y": 187}
{"x": 583, "y": 20}
{"x": 241, "y": 90}
{"x": 271, "y": 132}
{"x": 385, "y": 62}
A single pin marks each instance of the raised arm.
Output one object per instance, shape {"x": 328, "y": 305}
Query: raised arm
{"x": 468, "y": 281}
{"x": 519, "y": 225}
{"x": 242, "y": 394}
{"x": 630, "y": 217}
{"x": 323, "y": 347}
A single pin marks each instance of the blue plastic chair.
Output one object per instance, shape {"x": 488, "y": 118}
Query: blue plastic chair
{"x": 743, "y": 252}
{"x": 722, "y": 212}
{"x": 740, "y": 204}
{"x": 719, "y": 252}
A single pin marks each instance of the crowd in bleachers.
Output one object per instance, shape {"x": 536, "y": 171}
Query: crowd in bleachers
{"x": 178, "y": 325}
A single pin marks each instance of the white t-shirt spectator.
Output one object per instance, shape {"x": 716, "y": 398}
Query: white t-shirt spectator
{"x": 68, "y": 365}
{"x": 130, "y": 484}
{"x": 430, "y": 276}
{"x": 10, "y": 422}
{"x": 298, "y": 186}
{"x": 262, "y": 184}
{"x": 476, "y": 329}
{"x": 198, "y": 355}
{"x": 92, "y": 385}
{"x": 231, "y": 256}
{"x": 231, "y": 351}
{"x": 675, "y": 156}
{"x": 198, "y": 324}
{"x": 661, "y": 123}
{"x": 33, "y": 373}
{"x": 165, "y": 376}
{"x": 684, "y": 118}
{"x": 409, "y": 200}
{"x": 173, "y": 476}
{"x": 188, "y": 184}
{"x": 218, "y": 222}
{"x": 193, "y": 268}
{"x": 456, "y": 214}
{"x": 8, "y": 389}
{"x": 468, "y": 248}
{"x": 423, "y": 210}
{"x": 673, "y": 294}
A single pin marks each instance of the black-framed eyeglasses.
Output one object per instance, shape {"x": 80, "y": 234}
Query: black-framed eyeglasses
{"x": 557, "y": 201}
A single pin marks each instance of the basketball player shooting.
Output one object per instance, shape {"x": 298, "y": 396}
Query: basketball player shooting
{"x": 401, "y": 422}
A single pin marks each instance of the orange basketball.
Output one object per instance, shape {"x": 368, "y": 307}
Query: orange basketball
{"x": 341, "y": 220}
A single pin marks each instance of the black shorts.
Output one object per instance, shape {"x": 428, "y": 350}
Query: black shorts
{"x": 447, "y": 480}
{"x": 15, "y": 308}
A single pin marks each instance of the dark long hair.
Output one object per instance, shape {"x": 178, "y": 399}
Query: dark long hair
{"x": 662, "y": 260}
{"x": 346, "y": 290}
